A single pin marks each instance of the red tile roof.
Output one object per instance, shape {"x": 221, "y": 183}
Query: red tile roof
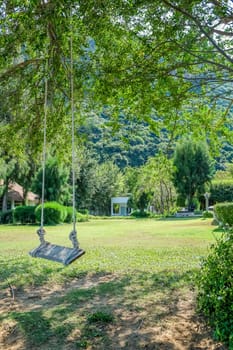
{"x": 15, "y": 192}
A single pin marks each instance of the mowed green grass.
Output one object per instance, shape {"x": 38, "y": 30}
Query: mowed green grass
{"x": 118, "y": 246}
{"x": 129, "y": 281}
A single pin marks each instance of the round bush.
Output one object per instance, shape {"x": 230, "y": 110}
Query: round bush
{"x": 54, "y": 213}
{"x": 215, "y": 284}
{"x": 207, "y": 214}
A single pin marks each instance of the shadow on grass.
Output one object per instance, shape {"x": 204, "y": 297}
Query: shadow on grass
{"x": 34, "y": 326}
{"x": 27, "y": 272}
{"x": 106, "y": 315}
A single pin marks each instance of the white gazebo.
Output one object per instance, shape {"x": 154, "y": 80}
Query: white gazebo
{"x": 119, "y": 206}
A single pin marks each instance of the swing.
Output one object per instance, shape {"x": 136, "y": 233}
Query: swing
{"x": 55, "y": 252}
{"x": 47, "y": 250}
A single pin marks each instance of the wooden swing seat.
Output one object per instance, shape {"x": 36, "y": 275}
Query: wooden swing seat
{"x": 57, "y": 253}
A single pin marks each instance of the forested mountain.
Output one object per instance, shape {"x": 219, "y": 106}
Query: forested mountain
{"x": 127, "y": 143}
{"x": 130, "y": 142}
{"x": 225, "y": 157}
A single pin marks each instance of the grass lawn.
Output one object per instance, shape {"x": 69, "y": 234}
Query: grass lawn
{"x": 133, "y": 278}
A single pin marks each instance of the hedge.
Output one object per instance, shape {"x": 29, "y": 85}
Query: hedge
{"x": 6, "y": 217}
{"x": 80, "y": 217}
{"x": 224, "y": 213}
{"x": 215, "y": 289}
{"x": 54, "y": 213}
{"x": 24, "y": 214}
{"x": 69, "y": 215}
{"x": 207, "y": 214}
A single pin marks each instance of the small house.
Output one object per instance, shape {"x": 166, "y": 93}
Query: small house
{"x": 15, "y": 197}
{"x": 119, "y": 206}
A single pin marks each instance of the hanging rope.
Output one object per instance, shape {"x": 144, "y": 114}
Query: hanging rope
{"x": 73, "y": 234}
{"x": 44, "y": 154}
{"x": 46, "y": 250}
{"x": 41, "y": 231}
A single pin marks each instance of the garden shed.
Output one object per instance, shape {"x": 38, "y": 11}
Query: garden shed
{"x": 119, "y": 206}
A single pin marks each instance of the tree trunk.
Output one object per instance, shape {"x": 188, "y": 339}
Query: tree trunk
{"x": 4, "y": 202}
{"x": 4, "y": 198}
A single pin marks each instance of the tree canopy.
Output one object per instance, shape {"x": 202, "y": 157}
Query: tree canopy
{"x": 168, "y": 63}
{"x": 193, "y": 169}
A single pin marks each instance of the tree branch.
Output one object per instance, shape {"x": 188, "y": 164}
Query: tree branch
{"x": 201, "y": 28}
{"x": 205, "y": 60}
{"x": 222, "y": 32}
{"x": 21, "y": 65}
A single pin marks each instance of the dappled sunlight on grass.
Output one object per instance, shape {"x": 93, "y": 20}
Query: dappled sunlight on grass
{"x": 131, "y": 293}
{"x": 146, "y": 245}
{"x": 120, "y": 294}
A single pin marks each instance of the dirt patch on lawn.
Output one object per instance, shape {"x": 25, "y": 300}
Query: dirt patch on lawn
{"x": 170, "y": 324}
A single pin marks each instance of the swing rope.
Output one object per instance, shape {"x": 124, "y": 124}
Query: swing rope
{"x": 44, "y": 154}
{"x": 46, "y": 250}
{"x": 73, "y": 234}
{"x": 41, "y": 231}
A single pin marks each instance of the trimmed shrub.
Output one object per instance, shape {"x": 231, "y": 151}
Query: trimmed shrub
{"x": 79, "y": 216}
{"x": 198, "y": 212}
{"x": 6, "y": 217}
{"x": 25, "y": 214}
{"x": 215, "y": 289}
{"x": 54, "y": 213}
{"x": 140, "y": 214}
{"x": 224, "y": 213}
{"x": 207, "y": 214}
{"x": 69, "y": 215}
{"x": 83, "y": 211}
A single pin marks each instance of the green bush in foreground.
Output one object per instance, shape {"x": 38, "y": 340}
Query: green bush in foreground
{"x": 224, "y": 213}
{"x": 215, "y": 284}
